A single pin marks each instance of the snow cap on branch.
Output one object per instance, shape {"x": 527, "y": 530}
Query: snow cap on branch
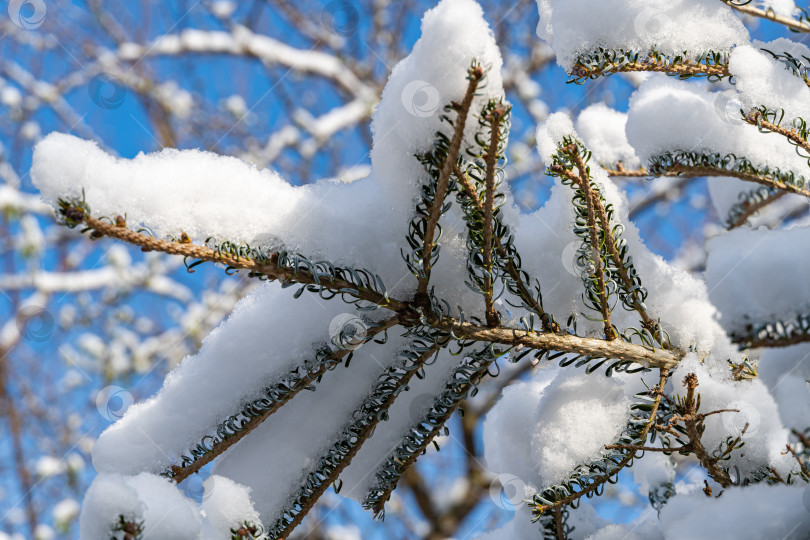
{"x": 576, "y": 27}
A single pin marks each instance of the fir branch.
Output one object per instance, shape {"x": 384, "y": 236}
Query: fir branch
{"x": 408, "y": 315}
{"x": 622, "y": 262}
{"x": 493, "y": 119}
{"x": 693, "y": 424}
{"x": 475, "y": 75}
{"x": 582, "y": 180}
{"x": 545, "y": 341}
{"x": 519, "y": 279}
{"x": 779, "y": 333}
{"x": 751, "y": 203}
{"x": 604, "y": 62}
{"x": 366, "y": 418}
{"x": 797, "y": 137}
{"x": 272, "y": 266}
{"x": 461, "y": 384}
{"x": 796, "y": 25}
{"x": 701, "y": 164}
{"x": 127, "y": 529}
{"x": 255, "y": 412}
{"x": 609, "y": 467}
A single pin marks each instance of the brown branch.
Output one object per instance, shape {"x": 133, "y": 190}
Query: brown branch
{"x": 693, "y": 424}
{"x": 9, "y": 409}
{"x": 793, "y": 24}
{"x": 523, "y": 290}
{"x": 687, "y": 69}
{"x": 596, "y": 348}
{"x": 802, "y": 466}
{"x": 269, "y": 269}
{"x": 475, "y": 76}
{"x": 643, "y": 448}
{"x": 536, "y": 340}
{"x": 769, "y": 181}
{"x": 755, "y": 118}
{"x": 491, "y": 160}
{"x": 750, "y": 209}
{"x": 751, "y": 342}
{"x": 584, "y": 182}
{"x": 178, "y": 474}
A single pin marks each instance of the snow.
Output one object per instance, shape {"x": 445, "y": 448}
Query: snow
{"x": 64, "y": 512}
{"x": 575, "y": 27}
{"x": 154, "y": 431}
{"x": 227, "y": 505}
{"x": 741, "y": 260}
{"x": 785, "y": 371}
{"x": 750, "y": 513}
{"x": 761, "y": 80}
{"x": 48, "y": 466}
{"x": 107, "y": 498}
{"x": 145, "y": 498}
{"x": 666, "y": 114}
{"x": 575, "y": 418}
{"x": 508, "y": 436}
{"x": 653, "y": 470}
{"x": 603, "y": 132}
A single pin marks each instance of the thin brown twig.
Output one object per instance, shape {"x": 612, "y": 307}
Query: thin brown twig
{"x": 750, "y": 209}
{"x": 463, "y": 109}
{"x": 687, "y": 68}
{"x": 793, "y": 24}
{"x": 795, "y": 455}
{"x": 693, "y": 424}
{"x": 756, "y": 118}
{"x": 597, "y": 348}
{"x": 269, "y": 269}
{"x": 584, "y": 183}
{"x": 491, "y": 160}
{"x": 762, "y": 180}
{"x": 523, "y": 290}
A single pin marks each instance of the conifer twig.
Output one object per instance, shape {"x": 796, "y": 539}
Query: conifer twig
{"x": 584, "y": 182}
{"x": 511, "y": 269}
{"x": 491, "y": 159}
{"x": 178, "y": 473}
{"x": 476, "y": 73}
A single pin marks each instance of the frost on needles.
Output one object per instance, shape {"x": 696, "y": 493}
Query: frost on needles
{"x": 424, "y": 279}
